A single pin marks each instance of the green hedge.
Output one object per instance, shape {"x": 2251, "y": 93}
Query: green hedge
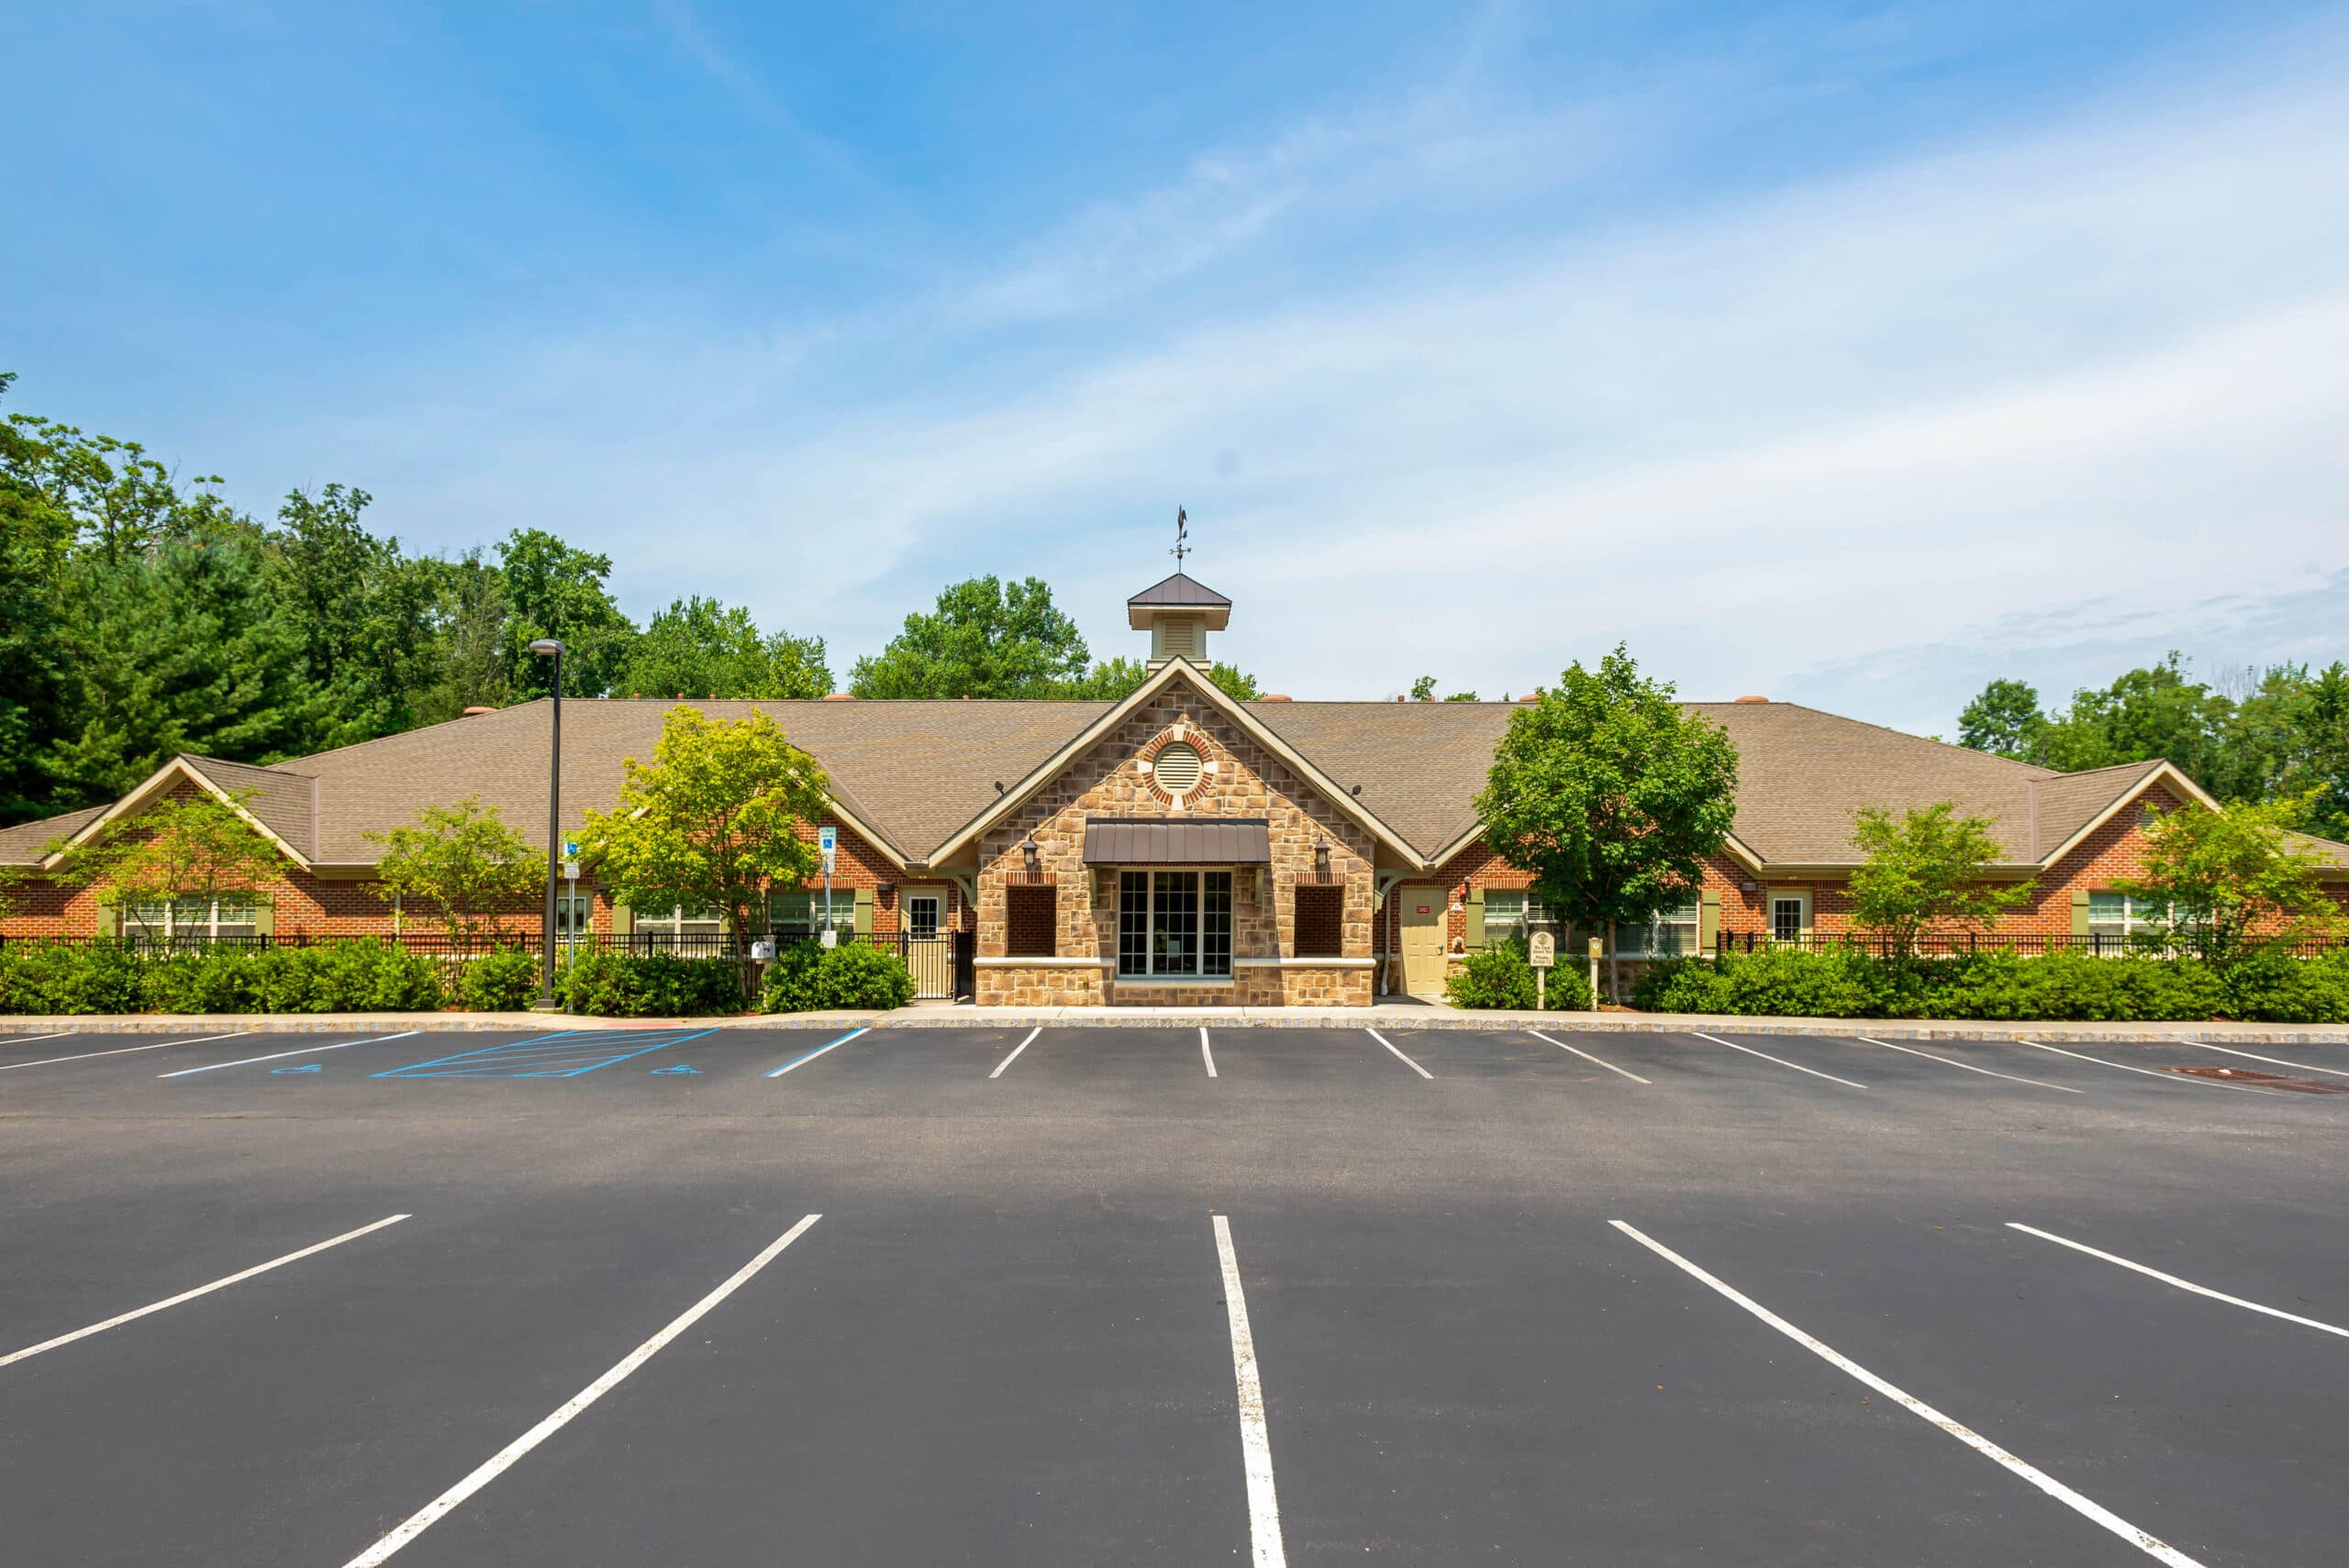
{"x": 356, "y": 977}
{"x": 641, "y": 986}
{"x": 807, "y": 978}
{"x": 1502, "y": 977}
{"x": 2269, "y": 985}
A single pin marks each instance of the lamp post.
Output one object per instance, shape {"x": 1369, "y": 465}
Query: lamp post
{"x": 547, "y": 647}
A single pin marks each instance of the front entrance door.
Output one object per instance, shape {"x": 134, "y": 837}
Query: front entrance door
{"x": 929, "y": 947}
{"x": 1424, "y": 919}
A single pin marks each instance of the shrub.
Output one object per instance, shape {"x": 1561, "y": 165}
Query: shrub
{"x": 641, "y": 986}
{"x": 1501, "y": 976}
{"x": 2275, "y": 987}
{"x": 805, "y": 977}
{"x": 1835, "y": 983}
{"x": 505, "y": 981}
{"x": 357, "y": 976}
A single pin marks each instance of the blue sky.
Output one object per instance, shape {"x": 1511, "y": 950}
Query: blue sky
{"x": 1851, "y": 355}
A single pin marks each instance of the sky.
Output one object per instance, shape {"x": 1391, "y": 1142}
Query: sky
{"x": 1851, "y": 355}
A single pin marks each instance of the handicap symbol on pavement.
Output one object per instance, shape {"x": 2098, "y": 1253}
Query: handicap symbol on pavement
{"x": 308, "y": 1067}
{"x": 671, "y": 1072}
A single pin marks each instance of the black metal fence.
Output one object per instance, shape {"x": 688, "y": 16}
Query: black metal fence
{"x": 1962, "y": 944}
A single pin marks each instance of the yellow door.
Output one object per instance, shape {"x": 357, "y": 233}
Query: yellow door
{"x": 1424, "y": 911}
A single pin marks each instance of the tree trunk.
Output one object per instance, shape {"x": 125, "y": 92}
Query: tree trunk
{"x": 1614, "y": 970}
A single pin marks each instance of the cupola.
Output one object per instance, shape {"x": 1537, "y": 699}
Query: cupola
{"x": 1178, "y": 613}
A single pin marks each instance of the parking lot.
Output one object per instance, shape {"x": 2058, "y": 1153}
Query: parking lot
{"x": 1146, "y": 1294}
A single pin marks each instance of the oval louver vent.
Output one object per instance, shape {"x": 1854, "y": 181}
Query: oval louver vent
{"x": 1177, "y": 768}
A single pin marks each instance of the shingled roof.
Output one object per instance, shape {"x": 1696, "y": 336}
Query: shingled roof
{"x": 915, "y": 773}
{"x": 1179, "y": 592}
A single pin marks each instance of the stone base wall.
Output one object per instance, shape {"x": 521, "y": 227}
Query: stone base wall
{"x": 1043, "y": 985}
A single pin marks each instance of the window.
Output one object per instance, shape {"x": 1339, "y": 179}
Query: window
{"x": 570, "y": 915}
{"x": 1175, "y": 923}
{"x": 1321, "y": 922}
{"x": 1674, "y": 932}
{"x": 801, "y": 914}
{"x": 681, "y": 922}
{"x": 1031, "y": 922}
{"x": 923, "y": 916}
{"x": 193, "y": 919}
{"x": 1788, "y": 917}
{"x": 2120, "y": 915}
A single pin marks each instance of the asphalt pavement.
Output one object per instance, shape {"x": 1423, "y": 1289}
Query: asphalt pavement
{"x": 966, "y": 1294}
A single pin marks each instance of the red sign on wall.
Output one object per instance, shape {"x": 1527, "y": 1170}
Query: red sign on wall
{"x": 1423, "y": 908}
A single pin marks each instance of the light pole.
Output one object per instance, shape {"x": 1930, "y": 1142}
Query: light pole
{"x": 547, "y": 647}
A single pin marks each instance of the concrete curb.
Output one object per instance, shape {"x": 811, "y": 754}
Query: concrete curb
{"x": 1380, "y": 1017}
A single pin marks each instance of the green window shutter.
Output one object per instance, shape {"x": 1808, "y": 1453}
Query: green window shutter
{"x": 623, "y": 920}
{"x": 2079, "y": 911}
{"x": 266, "y": 919}
{"x": 1709, "y": 918}
{"x": 1475, "y": 917}
{"x": 109, "y": 920}
{"x": 864, "y": 909}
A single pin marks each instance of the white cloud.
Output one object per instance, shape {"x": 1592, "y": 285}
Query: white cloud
{"x": 1854, "y": 441}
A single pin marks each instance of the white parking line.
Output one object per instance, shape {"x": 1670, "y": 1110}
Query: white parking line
{"x": 31, "y": 1351}
{"x": 2277, "y": 1061}
{"x": 277, "y": 1056}
{"x": 1205, "y": 1055}
{"x": 1398, "y": 1055}
{"x": 2151, "y": 1545}
{"x": 803, "y": 1061}
{"x": 498, "y": 1463}
{"x": 28, "y": 1038}
{"x": 2148, "y": 1071}
{"x": 2173, "y": 1279}
{"x": 1586, "y": 1056}
{"x": 1014, "y": 1052}
{"x": 1950, "y": 1062}
{"x": 1781, "y": 1061}
{"x": 1255, "y": 1438}
{"x": 126, "y": 1051}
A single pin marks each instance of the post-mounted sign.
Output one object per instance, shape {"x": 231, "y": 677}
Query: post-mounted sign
{"x": 1544, "y": 950}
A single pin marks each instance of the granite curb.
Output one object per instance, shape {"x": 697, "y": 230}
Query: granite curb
{"x": 1382, "y": 1017}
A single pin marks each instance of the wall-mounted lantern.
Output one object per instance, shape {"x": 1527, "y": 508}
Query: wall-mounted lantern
{"x": 1321, "y": 860}
{"x": 1031, "y": 858}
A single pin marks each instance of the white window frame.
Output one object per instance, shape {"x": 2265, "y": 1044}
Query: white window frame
{"x": 1772, "y": 912}
{"x": 677, "y": 923}
{"x": 2132, "y": 923}
{"x": 1645, "y": 941}
{"x": 243, "y": 913}
{"x": 938, "y": 927}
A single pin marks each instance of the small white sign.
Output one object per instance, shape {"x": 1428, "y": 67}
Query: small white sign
{"x": 763, "y": 951}
{"x": 828, "y": 861}
{"x": 1598, "y": 949}
{"x": 570, "y": 870}
{"x": 828, "y": 838}
{"x": 828, "y": 937}
{"x": 1545, "y": 951}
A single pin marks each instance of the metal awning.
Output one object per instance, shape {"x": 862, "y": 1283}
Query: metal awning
{"x": 1162, "y": 841}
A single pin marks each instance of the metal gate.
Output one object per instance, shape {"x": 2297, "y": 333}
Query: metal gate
{"x": 931, "y": 959}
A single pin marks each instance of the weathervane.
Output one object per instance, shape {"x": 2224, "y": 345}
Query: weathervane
{"x": 1182, "y": 537}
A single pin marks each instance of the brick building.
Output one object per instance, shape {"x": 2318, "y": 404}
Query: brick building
{"x": 1177, "y": 846}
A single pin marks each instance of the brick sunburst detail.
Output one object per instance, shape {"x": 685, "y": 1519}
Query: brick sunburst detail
{"x": 1188, "y": 735}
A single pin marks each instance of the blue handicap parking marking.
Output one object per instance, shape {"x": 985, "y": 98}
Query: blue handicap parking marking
{"x": 671, "y": 1072}
{"x": 312, "y": 1067}
{"x": 563, "y": 1056}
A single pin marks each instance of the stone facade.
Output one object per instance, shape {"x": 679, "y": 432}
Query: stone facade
{"x": 1240, "y": 778}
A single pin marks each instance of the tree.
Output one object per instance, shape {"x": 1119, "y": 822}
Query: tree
{"x": 35, "y": 538}
{"x": 700, "y": 648}
{"x": 466, "y": 612}
{"x": 2235, "y": 875}
{"x": 461, "y": 863}
{"x": 2005, "y": 720}
{"x": 1930, "y": 868}
{"x": 195, "y": 848}
{"x": 1423, "y": 690}
{"x": 185, "y": 649}
{"x": 361, "y": 612}
{"x": 712, "y": 822}
{"x": 1612, "y": 797}
{"x": 986, "y": 639}
{"x": 1121, "y": 677}
{"x": 553, "y": 590}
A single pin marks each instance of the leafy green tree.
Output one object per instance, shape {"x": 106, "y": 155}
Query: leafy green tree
{"x": 986, "y": 639}
{"x": 2158, "y": 711}
{"x": 466, "y": 616}
{"x": 2006, "y": 722}
{"x": 186, "y": 647}
{"x": 195, "y": 848}
{"x": 460, "y": 863}
{"x": 554, "y": 590}
{"x": 1930, "y": 868}
{"x": 36, "y": 535}
{"x": 1423, "y": 690}
{"x": 712, "y": 822}
{"x": 700, "y": 648}
{"x": 2316, "y": 756}
{"x": 1611, "y": 795}
{"x": 2237, "y": 875}
{"x": 1121, "y": 677}
{"x": 361, "y": 612}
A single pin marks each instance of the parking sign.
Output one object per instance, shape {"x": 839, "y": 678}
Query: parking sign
{"x": 828, "y": 838}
